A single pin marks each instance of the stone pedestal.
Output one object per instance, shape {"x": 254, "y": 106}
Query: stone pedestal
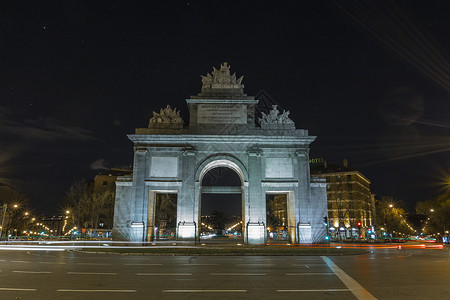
{"x": 186, "y": 231}
{"x": 256, "y": 233}
{"x": 304, "y": 233}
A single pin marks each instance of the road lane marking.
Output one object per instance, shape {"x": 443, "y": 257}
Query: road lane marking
{"x": 142, "y": 264}
{"x": 238, "y": 274}
{"x": 227, "y": 259}
{"x": 91, "y": 273}
{"x": 204, "y": 291}
{"x": 307, "y": 274}
{"x": 267, "y": 265}
{"x": 93, "y": 264}
{"x": 99, "y": 291}
{"x": 200, "y": 264}
{"x": 354, "y": 287}
{"x": 164, "y": 274}
{"x": 33, "y": 272}
{"x": 306, "y": 265}
{"x": 20, "y": 261}
{"x": 325, "y": 290}
{"x": 17, "y": 289}
{"x": 52, "y": 263}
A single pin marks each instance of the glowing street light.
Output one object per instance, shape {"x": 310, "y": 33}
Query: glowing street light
{"x": 67, "y": 211}
{"x": 391, "y": 205}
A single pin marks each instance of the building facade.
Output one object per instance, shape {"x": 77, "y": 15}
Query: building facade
{"x": 268, "y": 153}
{"x": 351, "y": 205}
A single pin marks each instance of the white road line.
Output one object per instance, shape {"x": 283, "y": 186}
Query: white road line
{"x": 33, "y": 272}
{"x": 237, "y": 274}
{"x": 325, "y": 290}
{"x": 307, "y": 274}
{"x": 20, "y": 261}
{"x": 304, "y": 265}
{"x": 227, "y": 259}
{"x": 91, "y": 273}
{"x": 204, "y": 291}
{"x": 52, "y": 263}
{"x": 142, "y": 264}
{"x": 99, "y": 291}
{"x": 2, "y": 259}
{"x": 164, "y": 274}
{"x": 357, "y": 290}
{"x": 93, "y": 264}
{"x": 268, "y": 265}
{"x": 17, "y": 289}
{"x": 200, "y": 264}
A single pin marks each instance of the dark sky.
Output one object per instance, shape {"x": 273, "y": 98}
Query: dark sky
{"x": 370, "y": 79}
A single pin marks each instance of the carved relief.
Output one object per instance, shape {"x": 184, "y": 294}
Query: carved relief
{"x": 274, "y": 117}
{"x": 222, "y": 78}
{"x": 166, "y": 116}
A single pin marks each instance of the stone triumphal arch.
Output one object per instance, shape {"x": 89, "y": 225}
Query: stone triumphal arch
{"x": 267, "y": 152}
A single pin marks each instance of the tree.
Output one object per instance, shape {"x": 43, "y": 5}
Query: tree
{"x": 392, "y": 216}
{"x": 218, "y": 220}
{"x": 437, "y": 212}
{"x": 89, "y": 208}
{"x": 75, "y": 200}
{"x": 15, "y": 210}
{"x": 276, "y": 211}
{"x": 166, "y": 207}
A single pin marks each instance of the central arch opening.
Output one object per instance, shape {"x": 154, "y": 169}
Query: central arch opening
{"x": 221, "y": 205}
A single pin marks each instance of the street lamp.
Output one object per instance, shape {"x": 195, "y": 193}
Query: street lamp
{"x": 391, "y": 205}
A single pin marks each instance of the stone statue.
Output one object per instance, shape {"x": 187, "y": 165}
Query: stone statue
{"x": 165, "y": 116}
{"x": 274, "y": 117}
{"x": 222, "y": 78}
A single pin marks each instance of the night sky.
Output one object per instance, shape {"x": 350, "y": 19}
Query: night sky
{"x": 371, "y": 80}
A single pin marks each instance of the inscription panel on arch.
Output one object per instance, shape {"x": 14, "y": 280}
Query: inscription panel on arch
{"x": 222, "y": 114}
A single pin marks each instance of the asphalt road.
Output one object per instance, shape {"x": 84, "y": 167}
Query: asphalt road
{"x": 383, "y": 274}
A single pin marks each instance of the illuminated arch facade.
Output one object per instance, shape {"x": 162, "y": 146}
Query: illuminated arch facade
{"x": 269, "y": 154}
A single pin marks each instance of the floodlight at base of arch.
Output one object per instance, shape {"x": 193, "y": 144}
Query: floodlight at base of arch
{"x": 186, "y": 231}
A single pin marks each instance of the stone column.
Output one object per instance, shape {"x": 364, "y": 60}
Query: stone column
{"x": 139, "y": 216}
{"x": 151, "y": 213}
{"x": 303, "y": 201}
{"x": 187, "y": 208}
{"x": 256, "y": 204}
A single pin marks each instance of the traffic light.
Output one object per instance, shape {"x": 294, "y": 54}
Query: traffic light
{"x": 325, "y": 221}
{"x": 359, "y": 224}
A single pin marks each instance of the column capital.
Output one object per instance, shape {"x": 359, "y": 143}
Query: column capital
{"x": 302, "y": 153}
{"x": 254, "y": 151}
{"x": 189, "y": 151}
{"x": 140, "y": 151}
